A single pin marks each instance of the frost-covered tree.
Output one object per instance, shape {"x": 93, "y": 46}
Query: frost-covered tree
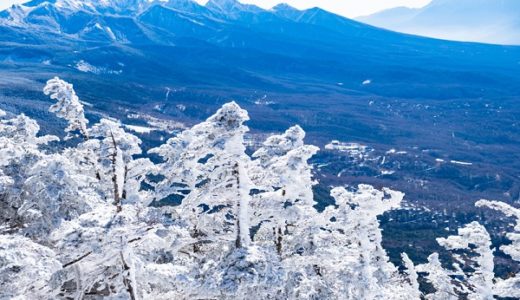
{"x": 114, "y": 150}
{"x": 26, "y": 268}
{"x": 412, "y": 277}
{"x": 67, "y": 106}
{"x": 207, "y": 167}
{"x": 439, "y": 277}
{"x": 284, "y": 199}
{"x": 76, "y": 221}
{"x": 349, "y": 253}
{"x": 507, "y": 287}
{"x": 20, "y": 150}
{"x": 55, "y": 190}
{"x": 475, "y": 243}
{"x": 471, "y": 251}
{"x": 472, "y": 275}
{"x": 127, "y": 253}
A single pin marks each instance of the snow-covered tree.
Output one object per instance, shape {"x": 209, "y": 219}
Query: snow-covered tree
{"x": 412, "y": 277}
{"x": 77, "y": 223}
{"x": 439, "y": 277}
{"x": 114, "y": 150}
{"x": 207, "y": 166}
{"x": 20, "y": 149}
{"x": 54, "y": 191}
{"x": 475, "y": 243}
{"x": 284, "y": 200}
{"x": 472, "y": 275}
{"x": 507, "y": 287}
{"x": 67, "y": 106}
{"x": 26, "y": 268}
{"x": 112, "y": 253}
{"x": 349, "y": 251}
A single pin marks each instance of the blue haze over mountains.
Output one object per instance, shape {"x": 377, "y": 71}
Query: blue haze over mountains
{"x": 432, "y": 101}
{"x": 487, "y": 21}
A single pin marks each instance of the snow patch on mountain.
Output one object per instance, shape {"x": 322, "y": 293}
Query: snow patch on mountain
{"x": 353, "y": 149}
{"x": 86, "y": 67}
{"x": 140, "y": 129}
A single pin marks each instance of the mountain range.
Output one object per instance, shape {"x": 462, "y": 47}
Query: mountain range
{"x": 239, "y": 43}
{"x": 339, "y": 78}
{"x": 486, "y": 21}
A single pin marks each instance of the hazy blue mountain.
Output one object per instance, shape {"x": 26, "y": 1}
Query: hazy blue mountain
{"x": 488, "y": 21}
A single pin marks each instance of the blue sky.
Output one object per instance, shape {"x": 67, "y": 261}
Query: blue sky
{"x": 349, "y": 8}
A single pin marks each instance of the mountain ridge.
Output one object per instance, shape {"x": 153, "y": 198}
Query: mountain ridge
{"x": 314, "y": 37}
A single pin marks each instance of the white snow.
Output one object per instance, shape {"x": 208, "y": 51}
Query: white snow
{"x": 263, "y": 101}
{"x": 462, "y": 163}
{"x": 393, "y": 151}
{"x": 352, "y": 148}
{"x": 168, "y": 126}
{"x": 387, "y": 172}
{"x": 140, "y": 129}
{"x": 86, "y": 67}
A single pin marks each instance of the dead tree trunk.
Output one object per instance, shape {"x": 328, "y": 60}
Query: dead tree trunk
{"x": 117, "y": 197}
{"x": 236, "y": 173}
{"x": 127, "y": 282}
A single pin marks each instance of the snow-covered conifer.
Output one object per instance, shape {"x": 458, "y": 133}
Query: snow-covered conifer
{"x": 473, "y": 275}
{"x": 412, "y": 276}
{"x": 284, "y": 201}
{"x": 207, "y": 167}
{"x": 439, "y": 278}
{"x": 20, "y": 149}
{"x": 54, "y": 191}
{"x": 115, "y": 149}
{"x": 509, "y": 287}
{"x": 349, "y": 246}
{"x": 477, "y": 254}
{"x": 68, "y": 106}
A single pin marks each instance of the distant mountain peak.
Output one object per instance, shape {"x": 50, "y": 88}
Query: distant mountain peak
{"x": 284, "y": 10}
{"x": 222, "y": 3}
{"x": 184, "y": 5}
{"x": 231, "y": 6}
{"x": 488, "y": 21}
{"x": 99, "y": 6}
{"x": 284, "y": 7}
